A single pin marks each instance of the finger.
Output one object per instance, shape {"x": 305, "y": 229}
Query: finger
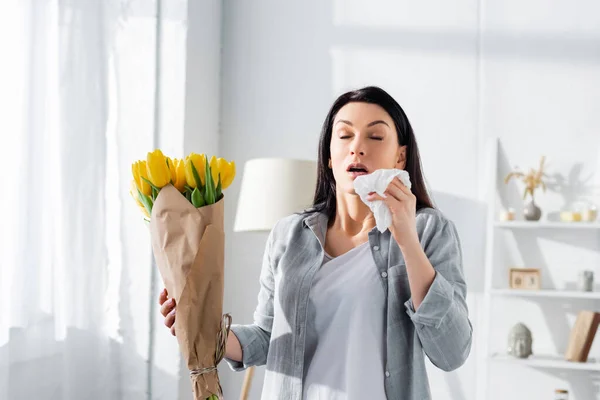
{"x": 396, "y": 193}
{"x": 392, "y": 204}
{"x": 404, "y": 188}
{"x": 163, "y": 296}
{"x": 167, "y": 307}
{"x": 396, "y": 182}
{"x": 374, "y": 196}
{"x": 389, "y": 200}
{"x": 170, "y": 319}
{"x": 173, "y": 330}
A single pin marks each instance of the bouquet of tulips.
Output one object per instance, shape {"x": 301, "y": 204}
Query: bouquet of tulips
{"x": 182, "y": 199}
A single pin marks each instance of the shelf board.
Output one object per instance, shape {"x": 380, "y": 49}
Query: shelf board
{"x": 555, "y": 362}
{"x": 568, "y": 294}
{"x": 546, "y": 225}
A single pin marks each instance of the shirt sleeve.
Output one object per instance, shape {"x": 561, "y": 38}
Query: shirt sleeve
{"x": 442, "y": 321}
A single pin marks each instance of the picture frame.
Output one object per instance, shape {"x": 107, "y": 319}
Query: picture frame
{"x": 525, "y": 278}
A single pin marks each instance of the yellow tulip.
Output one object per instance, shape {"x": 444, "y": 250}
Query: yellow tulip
{"x": 178, "y": 174}
{"x": 227, "y": 171}
{"x": 158, "y": 170}
{"x": 134, "y": 193}
{"x": 214, "y": 170}
{"x": 199, "y": 162}
{"x": 138, "y": 170}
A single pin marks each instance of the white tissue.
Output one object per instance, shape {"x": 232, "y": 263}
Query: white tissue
{"x": 378, "y": 182}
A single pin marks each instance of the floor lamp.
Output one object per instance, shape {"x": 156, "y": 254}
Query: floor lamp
{"x": 271, "y": 189}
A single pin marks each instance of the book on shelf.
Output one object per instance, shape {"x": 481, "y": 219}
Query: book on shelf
{"x": 582, "y": 336}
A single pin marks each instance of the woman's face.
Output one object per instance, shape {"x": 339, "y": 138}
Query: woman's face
{"x": 363, "y": 139}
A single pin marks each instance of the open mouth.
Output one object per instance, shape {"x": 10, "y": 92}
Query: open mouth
{"x": 357, "y": 169}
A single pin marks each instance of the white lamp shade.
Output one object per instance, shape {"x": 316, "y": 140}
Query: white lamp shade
{"x": 273, "y": 188}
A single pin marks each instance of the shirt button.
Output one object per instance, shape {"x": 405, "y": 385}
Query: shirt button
{"x": 387, "y": 374}
{"x": 375, "y": 247}
{"x": 384, "y": 274}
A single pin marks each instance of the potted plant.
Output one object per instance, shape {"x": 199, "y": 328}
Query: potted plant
{"x": 532, "y": 180}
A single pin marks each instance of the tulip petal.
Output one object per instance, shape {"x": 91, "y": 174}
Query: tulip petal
{"x": 197, "y": 161}
{"x": 229, "y": 175}
{"x": 139, "y": 172}
{"x": 158, "y": 169}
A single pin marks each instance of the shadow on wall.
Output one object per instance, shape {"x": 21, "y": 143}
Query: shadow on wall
{"x": 575, "y": 188}
{"x": 33, "y": 365}
{"x": 469, "y": 216}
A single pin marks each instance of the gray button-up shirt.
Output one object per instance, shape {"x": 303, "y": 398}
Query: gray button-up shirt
{"x": 440, "y": 328}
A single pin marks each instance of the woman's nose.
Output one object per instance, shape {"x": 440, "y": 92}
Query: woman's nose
{"x": 357, "y": 148}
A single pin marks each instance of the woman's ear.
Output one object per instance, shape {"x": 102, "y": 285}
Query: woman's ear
{"x": 401, "y": 157}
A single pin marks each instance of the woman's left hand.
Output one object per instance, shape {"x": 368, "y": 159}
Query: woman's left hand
{"x": 402, "y": 204}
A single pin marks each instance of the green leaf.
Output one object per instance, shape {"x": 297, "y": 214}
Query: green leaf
{"x": 197, "y": 199}
{"x": 196, "y": 176}
{"x": 146, "y": 201}
{"x": 151, "y": 184}
{"x": 218, "y": 190}
{"x": 210, "y": 185}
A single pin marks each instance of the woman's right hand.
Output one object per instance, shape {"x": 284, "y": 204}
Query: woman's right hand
{"x": 167, "y": 309}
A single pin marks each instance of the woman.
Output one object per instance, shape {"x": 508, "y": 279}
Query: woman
{"x": 344, "y": 311}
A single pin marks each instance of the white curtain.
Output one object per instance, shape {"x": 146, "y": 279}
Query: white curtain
{"x": 81, "y": 98}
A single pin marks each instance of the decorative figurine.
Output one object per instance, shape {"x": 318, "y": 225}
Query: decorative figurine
{"x": 520, "y": 341}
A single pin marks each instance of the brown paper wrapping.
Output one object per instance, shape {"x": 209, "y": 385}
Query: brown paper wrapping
{"x": 188, "y": 246}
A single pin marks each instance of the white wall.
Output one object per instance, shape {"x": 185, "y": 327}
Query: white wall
{"x": 541, "y": 86}
{"x": 464, "y": 72}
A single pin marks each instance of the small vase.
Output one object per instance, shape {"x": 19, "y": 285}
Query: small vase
{"x": 532, "y": 212}
{"x": 586, "y": 281}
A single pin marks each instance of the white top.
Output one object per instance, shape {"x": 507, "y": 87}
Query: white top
{"x": 345, "y": 346}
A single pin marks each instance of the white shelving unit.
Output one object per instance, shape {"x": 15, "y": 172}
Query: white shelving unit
{"x": 559, "y": 294}
{"x": 546, "y": 225}
{"x": 493, "y": 293}
{"x": 553, "y": 362}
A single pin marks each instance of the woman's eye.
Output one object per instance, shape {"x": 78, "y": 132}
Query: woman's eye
{"x": 344, "y": 137}
{"x": 376, "y": 138}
